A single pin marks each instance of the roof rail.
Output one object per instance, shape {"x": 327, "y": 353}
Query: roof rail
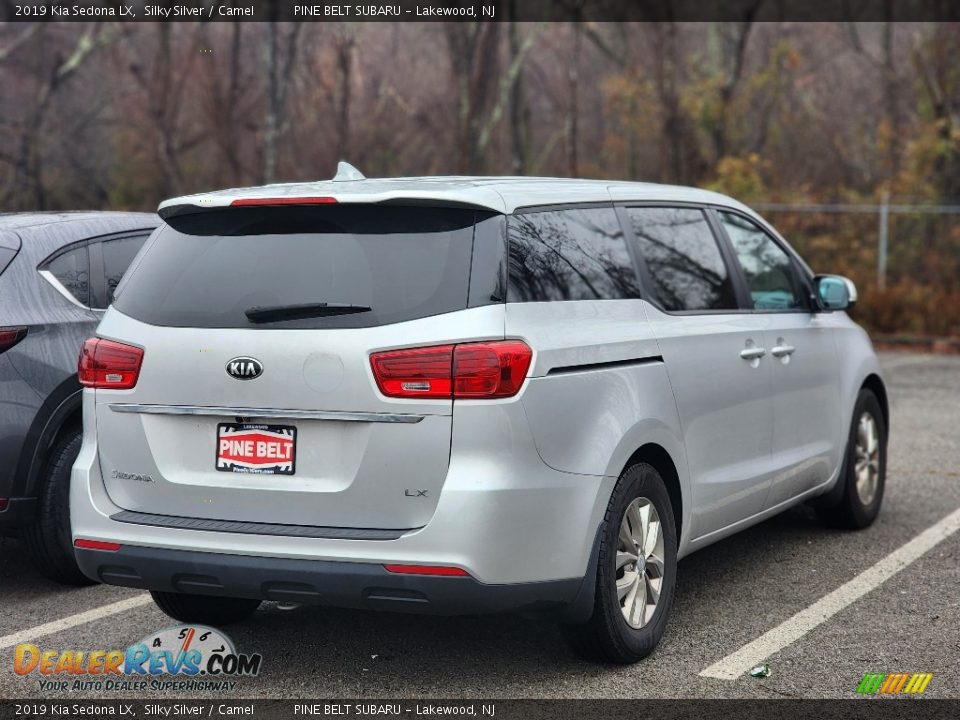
{"x": 347, "y": 172}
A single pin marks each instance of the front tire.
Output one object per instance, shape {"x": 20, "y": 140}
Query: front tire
{"x": 204, "y": 609}
{"x": 48, "y": 539}
{"x": 864, "y": 472}
{"x": 636, "y": 572}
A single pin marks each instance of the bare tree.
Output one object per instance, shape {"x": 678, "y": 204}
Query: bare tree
{"x": 279, "y": 60}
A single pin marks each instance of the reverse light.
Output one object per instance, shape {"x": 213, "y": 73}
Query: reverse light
{"x": 10, "y": 336}
{"x": 253, "y": 202}
{"x": 109, "y": 365}
{"x": 102, "y": 545}
{"x": 427, "y": 570}
{"x": 483, "y": 370}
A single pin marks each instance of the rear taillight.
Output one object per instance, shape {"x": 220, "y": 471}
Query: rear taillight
{"x": 3, "y": 503}
{"x": 101, "y": 545}
{"x": 10, "y": 336}
{"x": 419, "y": 372}
{"x": 109, "y": 365}
{"x": 471, "y": 370}
{"x": 490, "y": 370}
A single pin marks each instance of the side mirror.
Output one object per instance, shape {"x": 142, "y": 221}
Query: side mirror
{"x": 835, "y": 292}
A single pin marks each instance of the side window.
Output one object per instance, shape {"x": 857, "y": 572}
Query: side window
{"x": 117, "y": 256}
{"x": 576, "y": 254}
{"x": 72, "y": 270}
{"x": 683, "y": 259}
{"x": 767, "y": 267}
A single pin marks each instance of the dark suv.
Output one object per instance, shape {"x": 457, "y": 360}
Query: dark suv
{"x": 58, "y": 272}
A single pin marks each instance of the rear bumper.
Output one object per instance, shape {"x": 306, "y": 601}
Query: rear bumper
{"x": 323, "y": 582}
{"x": 18, "y": 512}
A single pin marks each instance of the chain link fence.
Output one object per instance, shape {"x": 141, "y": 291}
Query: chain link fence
{"x": 904, "y": 258}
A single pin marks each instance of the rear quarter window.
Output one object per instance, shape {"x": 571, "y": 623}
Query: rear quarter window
{"x": 72, "y": 270}
{"x": 211, "y": 268}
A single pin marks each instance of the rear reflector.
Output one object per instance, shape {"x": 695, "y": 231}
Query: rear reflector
{"x": 109, "y": 365}
{"x": 427, "y": 570}
{"x": 96, "y": 545}
{"x": 10, "y": 336}
{"x": 482, "y": 370}
{"x": 3, "y": 503}
{"x": 250, "y": 202}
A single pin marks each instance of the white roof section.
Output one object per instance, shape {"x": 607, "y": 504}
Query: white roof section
{"x": 500, "y": 194}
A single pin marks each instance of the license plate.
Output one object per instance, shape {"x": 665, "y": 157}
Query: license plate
{"x": 258, "y": 449}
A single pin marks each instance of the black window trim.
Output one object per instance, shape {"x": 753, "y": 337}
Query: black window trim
{"x": 638, "y": 268}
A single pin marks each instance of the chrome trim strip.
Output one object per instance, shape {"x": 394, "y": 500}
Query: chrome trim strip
{"x": 59, "y": 287}
{"x": 257, "y": 528}
{"x": 265, "y": 413}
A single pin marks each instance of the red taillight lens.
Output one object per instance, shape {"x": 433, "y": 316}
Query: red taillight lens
{"x": 96, "y": 545}
{"x": 427, "y": 570}
{"x": 10, "y": 336}
{"x": 3, "y": 503}
{"x": 109, "y": 365}
{"x": 490, "y": 370}
{"x": 470, "y": 370}
{"x": 250, "y": 202}
{"x": 420, "y": 372}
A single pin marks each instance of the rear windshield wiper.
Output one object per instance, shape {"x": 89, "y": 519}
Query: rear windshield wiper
{"x": 273, "y": 313}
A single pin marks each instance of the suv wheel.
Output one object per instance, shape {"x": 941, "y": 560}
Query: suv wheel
{"x": 48, "y": 539}
{"x": 859, "y": 491}
{"x": 204, "y": 609}
{"x": 636, "y": 572}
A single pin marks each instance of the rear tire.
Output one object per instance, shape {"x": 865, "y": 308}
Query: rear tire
{"x": 204, "y": 609}
{"x": 647, "y": 569}
{"x": 48, "y": 539}
{"x": 861, "y": 485}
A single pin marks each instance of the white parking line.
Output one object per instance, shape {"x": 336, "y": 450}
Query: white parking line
{"x": 737, "y": 663}
{"x": 31, "y": 634}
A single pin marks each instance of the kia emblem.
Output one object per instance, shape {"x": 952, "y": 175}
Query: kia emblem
{"x": 244, "y": 368}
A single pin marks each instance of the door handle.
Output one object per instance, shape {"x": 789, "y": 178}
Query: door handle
{"x": 783, "y": 350}
{"x": 752, "y": 353}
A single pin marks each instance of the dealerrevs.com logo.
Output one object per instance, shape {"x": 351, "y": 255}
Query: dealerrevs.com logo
{"x": 894, "y": 683}
{"x": 184, "y": 657}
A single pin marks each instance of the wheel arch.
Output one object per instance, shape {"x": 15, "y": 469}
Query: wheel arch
{"x": 657, "y": 456}
{"x": 61, "y": 412}
{"x": 874, "y": 384}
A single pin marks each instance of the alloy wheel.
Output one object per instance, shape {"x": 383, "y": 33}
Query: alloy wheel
{"x": 867, "y": 465}
{"x": 639, "y": 569}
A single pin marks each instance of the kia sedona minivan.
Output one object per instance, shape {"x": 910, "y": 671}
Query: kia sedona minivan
{"x": 459, "y": 395}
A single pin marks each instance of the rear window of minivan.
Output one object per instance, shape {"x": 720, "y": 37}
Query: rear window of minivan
{"x": 333, "y": 266}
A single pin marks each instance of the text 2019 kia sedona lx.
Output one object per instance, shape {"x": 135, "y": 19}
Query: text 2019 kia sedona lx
{"x": 460, "y": 395}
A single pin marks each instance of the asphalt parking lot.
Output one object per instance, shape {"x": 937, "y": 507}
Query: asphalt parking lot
{"x": 728, "y": 595}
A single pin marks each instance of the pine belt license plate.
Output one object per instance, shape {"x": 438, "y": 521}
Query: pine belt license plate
{"x": 256, "y": 449}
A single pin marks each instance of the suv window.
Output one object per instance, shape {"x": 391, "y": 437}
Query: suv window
{"x": 683, "y": 260}
{"x": 117, "y": 256}
{"x": 577, "y": 254}
{"x": 767, "y": 267}
{"x": 208, "y": 269}
{"x": 72, "y": 269}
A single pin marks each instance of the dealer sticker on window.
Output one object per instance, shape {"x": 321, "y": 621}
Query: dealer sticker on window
{"x": 259, "y": 449}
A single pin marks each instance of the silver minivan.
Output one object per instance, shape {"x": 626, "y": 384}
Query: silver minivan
{"x": 457, "y": 395}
